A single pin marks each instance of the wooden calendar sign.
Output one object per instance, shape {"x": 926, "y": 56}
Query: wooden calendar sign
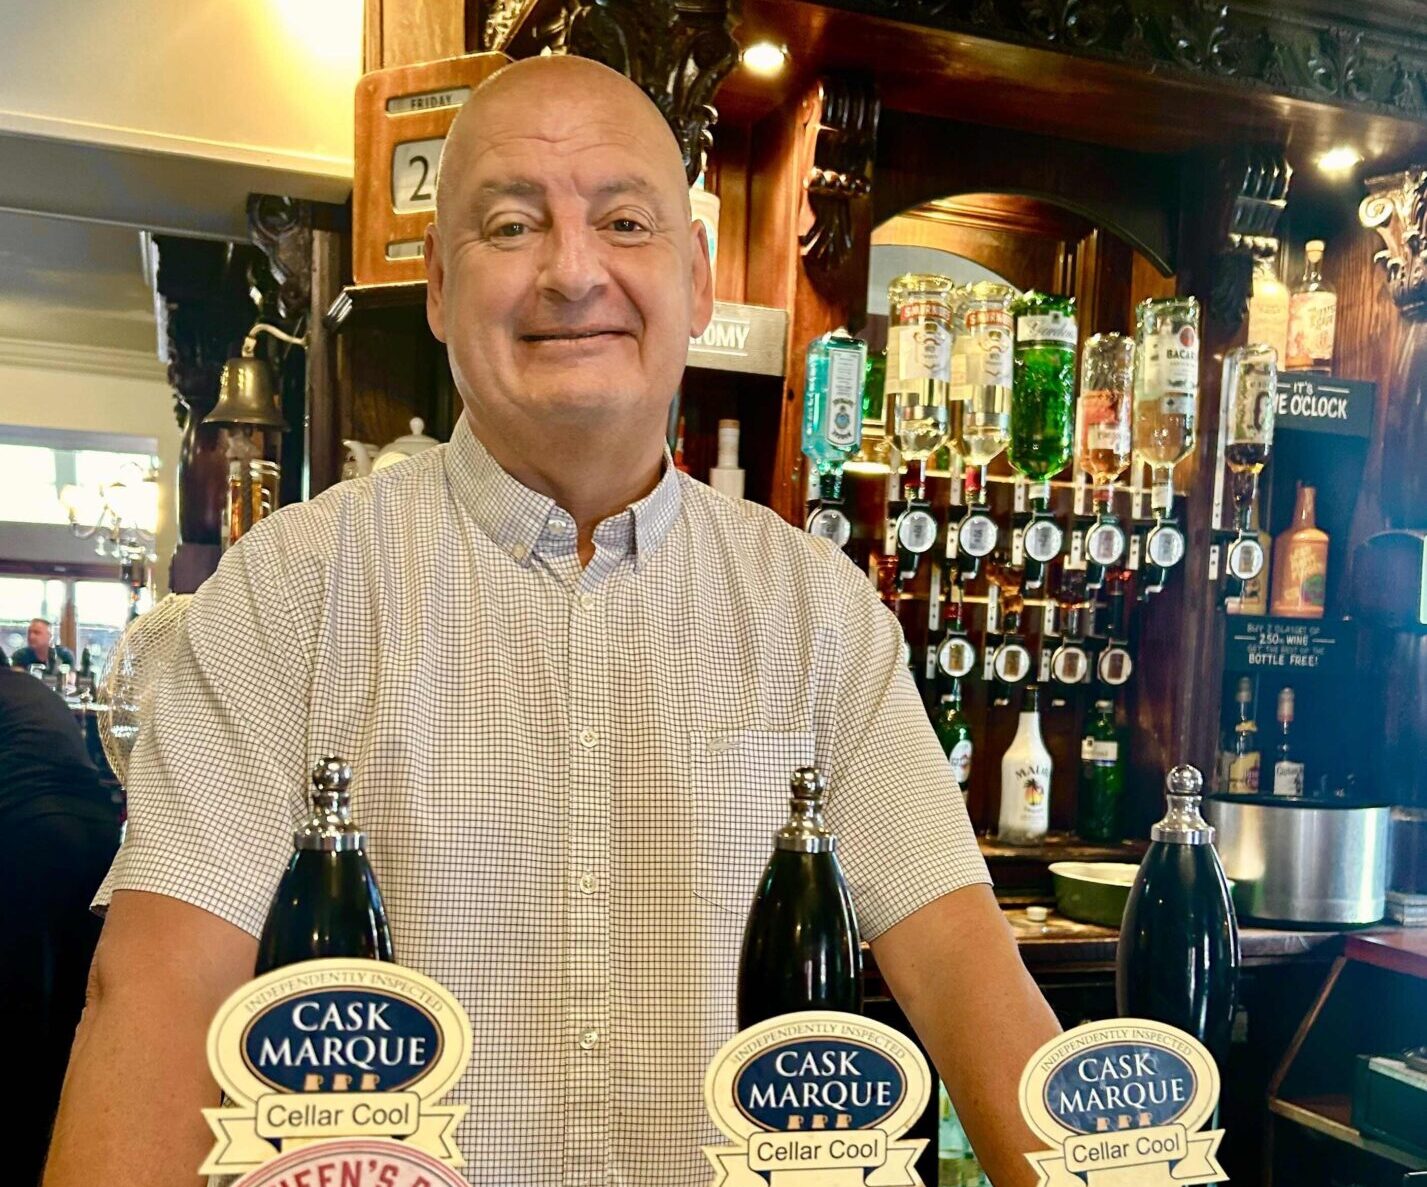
{"x": 403, "y": 115}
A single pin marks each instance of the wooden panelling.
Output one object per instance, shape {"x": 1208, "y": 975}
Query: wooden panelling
{"x": 727, "y": 175}
{"x": 404, "y": 32}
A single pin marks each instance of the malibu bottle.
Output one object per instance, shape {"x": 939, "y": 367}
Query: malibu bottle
{"x": 327, "y": 903}
{"x": 801, "y": 950}
{"x": 1178, "y": 957}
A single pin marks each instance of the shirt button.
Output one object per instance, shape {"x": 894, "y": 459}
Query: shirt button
{"x": 519, "y": 551}
{"x": 588, "y": 601}
{"x": 588, "y": 1038}
{"x": 558, "y": 526}
{"x": 589, "y": 738}
{"x": 587, "y": 884}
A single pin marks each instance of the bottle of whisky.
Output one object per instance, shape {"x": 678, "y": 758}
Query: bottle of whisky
{"x": 1287, "y": 770}
{"x": 327, "y": 903}
{"x": 1312, "y": 315}
{"x": 1178, "y": 955}
{"x": 953, "y": 731}
{"x": 1025, "y": 779}
{"x": 801, "y": 949}
{"x": 1241, "y": 758}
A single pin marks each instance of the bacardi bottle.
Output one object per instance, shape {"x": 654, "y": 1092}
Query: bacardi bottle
{"x": 1025, "y": 779}
{"x": 1166, "y": 387}
{"x": 327, "y": 903}
{"x": 1178, "y": 956}
{"x": 801, "y": 949}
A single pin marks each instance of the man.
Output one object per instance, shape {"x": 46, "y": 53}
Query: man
{"x": 41, "y": 650}
{"x": 568, "y": 828}
{"x": 59, "y": 828}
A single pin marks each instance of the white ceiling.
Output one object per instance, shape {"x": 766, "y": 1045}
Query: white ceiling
{"x": 74, "y": 283}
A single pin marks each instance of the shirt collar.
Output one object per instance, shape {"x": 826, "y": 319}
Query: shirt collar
{"x": 523, "y": 522}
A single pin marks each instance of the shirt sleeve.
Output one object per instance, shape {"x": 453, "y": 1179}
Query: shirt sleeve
{"x": 217, "y": 777}
{"x": 904, "y": 837}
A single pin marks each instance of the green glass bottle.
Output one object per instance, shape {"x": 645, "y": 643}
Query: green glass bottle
{"x": 953, "y": 731}
{"x": 327, "y": 903}
{"x": 1043, "y": 384}
{"x": 1102, "y": 778}
{"x": 801, "y": 949}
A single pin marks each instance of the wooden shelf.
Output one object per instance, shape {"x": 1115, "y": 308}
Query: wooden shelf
{"x": 1063, "y": 847}
{"x": 1331, "y": 1116}
{"x": 1401, "y": 950}
{"x": 748, "y": 339}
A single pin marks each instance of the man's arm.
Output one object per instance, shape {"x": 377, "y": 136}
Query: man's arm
{"x": 954, "y": 969}
{"x": 138, "y": 1078}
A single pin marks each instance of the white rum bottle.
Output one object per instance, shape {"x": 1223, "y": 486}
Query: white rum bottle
{"x": 1025, "y": 779}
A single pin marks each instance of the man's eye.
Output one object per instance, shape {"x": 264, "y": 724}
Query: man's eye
{"x": 509, "y": 231}
{"x": 626, "y": 226}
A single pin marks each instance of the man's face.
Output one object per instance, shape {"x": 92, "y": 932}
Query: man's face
{"x": 567, "y": 277}
{"x": 39, "y": 635}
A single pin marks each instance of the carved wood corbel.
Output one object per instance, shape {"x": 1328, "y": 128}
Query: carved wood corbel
{"x": 1396, "y": 208}
{"x": 841, "y": 116}
{"x": 677, "y": 51}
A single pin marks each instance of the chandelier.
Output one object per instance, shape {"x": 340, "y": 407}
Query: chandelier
{"x": 119, "y": 516}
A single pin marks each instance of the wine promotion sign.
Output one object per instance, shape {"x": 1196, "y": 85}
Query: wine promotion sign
{"x": 1122, "y": 1102}
{"x": 338, "y": 1048}
{"x": 817, "y": 1099}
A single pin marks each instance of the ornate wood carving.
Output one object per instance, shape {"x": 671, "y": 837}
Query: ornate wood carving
{"x": 1396, "y": 208}
{"x": 282, "y": 230}
{"x": 1289, "y": 48}
{"x": 839, "y": 183}
{"x": 677, "y": 51}
{"x": 1255, "y": 188}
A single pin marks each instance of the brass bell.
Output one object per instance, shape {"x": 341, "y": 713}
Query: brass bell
{"x": 246, "y": 397}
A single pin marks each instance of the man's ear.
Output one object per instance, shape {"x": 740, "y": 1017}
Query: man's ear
{"x": 435, "y": 278}
{"x": 703, "y": 281}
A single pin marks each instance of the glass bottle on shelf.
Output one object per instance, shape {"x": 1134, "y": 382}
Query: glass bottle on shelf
{"x": 1287, "y": 770}
{"x": 1166, "y": 386}
{"x": 832, "y": 423}
{"x": 1102, "y": 778}
{"x": 801, "y": 949}
{"x": 1312, "y": 315}
{"x": 981, "y": 373}
{"x": 1178, "y": 956}
{"x": 1268, "y": 307}
{"x": 1103, "y": 435}
{"x": 1043, "y": 395}
{"x": 327, "y": 902}
{"x": 1300, "y": 562}
{"x": 1240, "y": 759}
{"x": 1025, "y": 779}
{"x": 953, "y": 731}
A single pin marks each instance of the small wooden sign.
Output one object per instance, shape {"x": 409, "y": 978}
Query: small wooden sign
{"x": 402, "y": 117}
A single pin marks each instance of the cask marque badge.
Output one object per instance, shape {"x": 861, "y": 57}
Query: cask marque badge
{"x": 1121, "y": 1094}
{"x": 815, "y": 1097}
{"x": 336, "y": 1048}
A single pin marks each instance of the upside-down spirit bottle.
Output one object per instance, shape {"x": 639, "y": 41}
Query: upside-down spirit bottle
{"x": 981, "y": 373}
{"x": 1043, "y": 396}
{"x": 919, "y": 340}
{"x": 327, "y": 903}
{"x": 801, "y": 949}
{"x": 1166, "y": 387}
{"x": 1178, "y": 956}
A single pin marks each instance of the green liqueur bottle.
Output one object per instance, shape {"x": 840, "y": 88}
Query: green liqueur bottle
{"x": 327, "y": 903}
{"x": 1178, "y": 957}
{"x": 1102, "y": 777}
{"x": 953, "y": 731}
{"x": 1043, "y": 384}
{"x": 801, "y": 949}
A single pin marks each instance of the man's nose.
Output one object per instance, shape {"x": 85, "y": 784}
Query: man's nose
{"x": 571, "y": 265}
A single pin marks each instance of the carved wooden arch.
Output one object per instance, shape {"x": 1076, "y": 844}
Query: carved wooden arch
{"x": 920, "y": 159}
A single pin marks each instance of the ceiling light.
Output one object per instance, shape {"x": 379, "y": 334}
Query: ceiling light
{"x": 1341, "y": 159}
{"x": 766, "y": 58}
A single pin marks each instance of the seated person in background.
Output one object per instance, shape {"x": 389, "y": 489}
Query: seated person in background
{"x": 42, "y": 649}
{"x": 59, "y": 830}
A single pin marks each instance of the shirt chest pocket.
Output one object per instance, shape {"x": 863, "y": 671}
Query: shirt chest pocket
{"x": 739, "y": 780}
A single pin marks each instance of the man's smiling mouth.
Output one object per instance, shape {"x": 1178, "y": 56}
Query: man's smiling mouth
{"x": 573, "y": 335}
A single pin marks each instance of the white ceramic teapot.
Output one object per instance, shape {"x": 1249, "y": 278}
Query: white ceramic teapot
{"x": 399, "y": 450}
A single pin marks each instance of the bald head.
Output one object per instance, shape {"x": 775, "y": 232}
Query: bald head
{"x": 558, "y": 89}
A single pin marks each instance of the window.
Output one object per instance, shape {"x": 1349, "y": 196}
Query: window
{"x": 37, "y": 464}
{"x": 24, "y": 598}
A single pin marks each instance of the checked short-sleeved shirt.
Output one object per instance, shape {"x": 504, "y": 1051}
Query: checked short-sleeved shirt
{"x": 569, "y": 778}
